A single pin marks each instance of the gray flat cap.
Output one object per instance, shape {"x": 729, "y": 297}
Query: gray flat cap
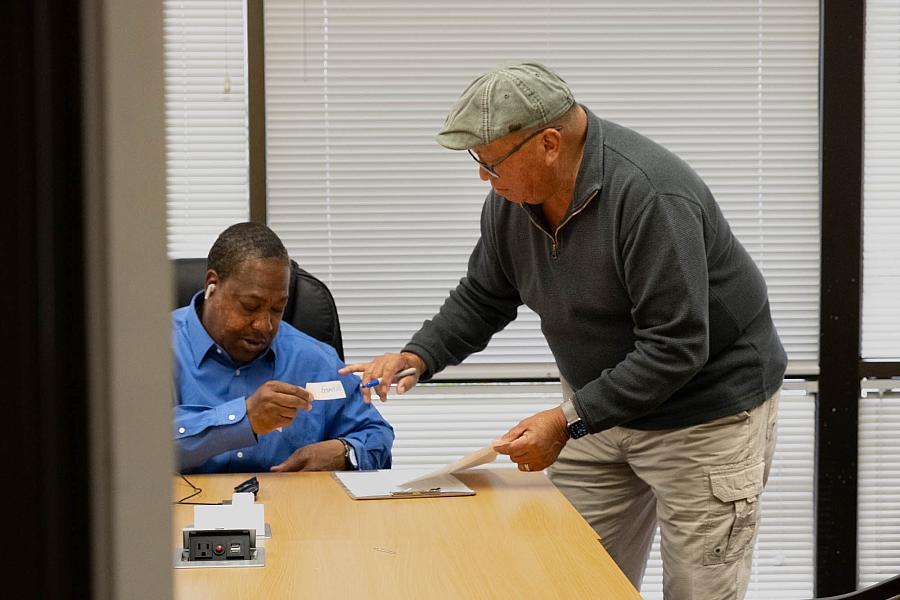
{"x": 504, "y": 101}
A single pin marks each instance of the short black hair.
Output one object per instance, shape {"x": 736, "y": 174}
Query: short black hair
{"x": 244, "y": 241}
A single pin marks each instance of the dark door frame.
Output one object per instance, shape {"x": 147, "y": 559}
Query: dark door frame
{"x": 43, "y": 301}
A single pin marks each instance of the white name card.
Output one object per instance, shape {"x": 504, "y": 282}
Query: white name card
{"x": 326, "y": 390}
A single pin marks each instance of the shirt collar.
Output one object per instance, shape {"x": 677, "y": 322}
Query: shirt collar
{"x": 201, "y": 342}
{"x": 198, "y": 339}
{"x": 590, "y": 173}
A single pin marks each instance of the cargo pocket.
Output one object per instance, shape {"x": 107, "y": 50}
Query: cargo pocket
{"x": 733, "y": 511}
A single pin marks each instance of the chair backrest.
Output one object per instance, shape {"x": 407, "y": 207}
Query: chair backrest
{"x": 310, "y": 306}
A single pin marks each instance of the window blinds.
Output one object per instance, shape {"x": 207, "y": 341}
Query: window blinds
{"x": 881, "y": 213}
{"x": 879, "y": 412}
{"x": 879, "y": 482}
{"x": 365, "y": 198}
{"x": 206, "y": 122}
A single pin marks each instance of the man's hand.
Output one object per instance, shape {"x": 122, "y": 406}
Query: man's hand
{"x": 321, "y": 456}
{"x": 274, "y": 404}
{"x": 383, "y": 368}
{"x": 535, "y": 443}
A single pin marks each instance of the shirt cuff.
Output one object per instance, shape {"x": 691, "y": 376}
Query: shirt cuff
{"x": 234, "y": 413}
{"x": 352, "y": 458}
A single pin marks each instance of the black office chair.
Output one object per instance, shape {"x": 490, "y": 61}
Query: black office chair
{"x": 889, "y": 589}
{"x": 310, "y": 306}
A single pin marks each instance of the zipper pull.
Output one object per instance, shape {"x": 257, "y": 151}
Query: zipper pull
{"x": 553, "y": 254}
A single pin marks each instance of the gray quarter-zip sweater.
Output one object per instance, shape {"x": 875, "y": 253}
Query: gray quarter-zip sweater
{"x": 655, "y": 313}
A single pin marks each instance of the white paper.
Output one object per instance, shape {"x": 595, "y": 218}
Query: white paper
{"x": 367, "y": 485}
{"x": 473, "y": 459}
{"x": 326, "y": 390}
{"x": 242, "y": 513}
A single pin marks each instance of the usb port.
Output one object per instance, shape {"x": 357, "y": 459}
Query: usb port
{"x": 235, "y": 547}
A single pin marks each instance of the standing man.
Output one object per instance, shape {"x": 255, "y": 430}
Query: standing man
{"x": 240, "y": 374}
{"x": 656, "y": 315}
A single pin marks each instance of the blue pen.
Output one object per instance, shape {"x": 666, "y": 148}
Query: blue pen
{"x": 400, "y": 375}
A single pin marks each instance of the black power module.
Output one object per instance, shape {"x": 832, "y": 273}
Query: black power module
{"x": 218, "y": 544}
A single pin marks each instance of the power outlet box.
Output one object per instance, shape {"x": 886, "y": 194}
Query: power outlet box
{"x": 218, "y": 544}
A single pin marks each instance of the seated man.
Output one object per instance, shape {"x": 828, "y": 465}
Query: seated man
{"x": 240, "y": 373}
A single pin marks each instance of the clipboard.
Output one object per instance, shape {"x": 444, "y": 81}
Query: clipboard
{"x": 472, "y": 459}
{"x": 386, "y": 484}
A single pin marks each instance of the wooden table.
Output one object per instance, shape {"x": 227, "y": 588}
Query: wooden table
{"x": 516, "y": 538}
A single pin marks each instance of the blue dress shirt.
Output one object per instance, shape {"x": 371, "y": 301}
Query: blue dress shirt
{"x": 212, "y": 429}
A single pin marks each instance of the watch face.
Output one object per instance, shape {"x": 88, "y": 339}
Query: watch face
{"x": 577, "y": 429}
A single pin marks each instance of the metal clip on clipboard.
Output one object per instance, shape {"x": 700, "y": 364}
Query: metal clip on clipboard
{"x": 387, "y": 483}
{"x": 416, "y": 493}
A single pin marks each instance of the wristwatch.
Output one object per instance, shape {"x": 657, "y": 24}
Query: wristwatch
{"x": 350, "y": 462}
{"x": 577, "y": 428}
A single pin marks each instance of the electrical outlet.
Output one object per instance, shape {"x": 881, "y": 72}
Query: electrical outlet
{"x": 202, "y": 550}
{"x": 219, "y": 544}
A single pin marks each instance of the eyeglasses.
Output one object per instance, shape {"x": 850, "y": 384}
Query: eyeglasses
{"x": 490, "y": 168}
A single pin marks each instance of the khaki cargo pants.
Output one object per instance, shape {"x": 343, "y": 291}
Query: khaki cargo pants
{"x": 701, "y": 484}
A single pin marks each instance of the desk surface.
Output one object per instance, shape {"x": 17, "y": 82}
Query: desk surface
{"x": 517, "y": 537}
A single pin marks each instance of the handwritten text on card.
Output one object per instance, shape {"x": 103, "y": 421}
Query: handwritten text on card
{"x": 326, "y": 390}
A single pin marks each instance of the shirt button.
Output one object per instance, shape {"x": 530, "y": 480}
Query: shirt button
{"x": 231, "y": 417}
{"x": 240, "y": 455}
{"x": 218, "y": 351}
{"x": 237, "y": 373}
{"x": 181, "y": 430}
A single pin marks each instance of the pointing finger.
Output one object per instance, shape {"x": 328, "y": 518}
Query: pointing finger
{"x": 353, "y": 368}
